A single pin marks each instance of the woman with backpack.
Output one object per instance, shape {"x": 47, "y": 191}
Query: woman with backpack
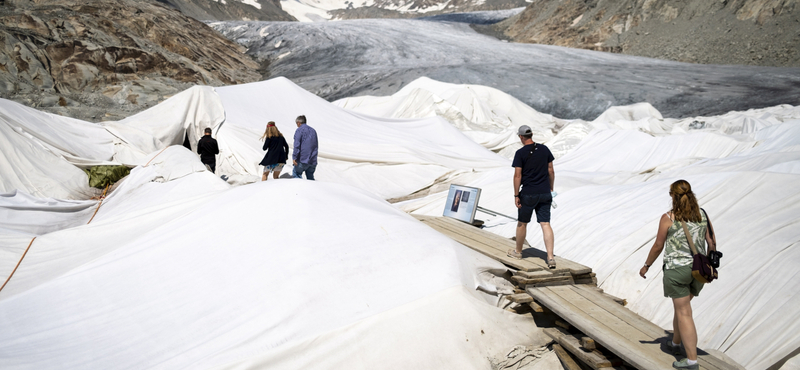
{"x": 277, "y": 151}
{"x": 679, "y": 284}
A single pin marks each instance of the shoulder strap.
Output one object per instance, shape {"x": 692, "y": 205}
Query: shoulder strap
{"x": 710, "y": 227}
{"x": 688, "y": 237}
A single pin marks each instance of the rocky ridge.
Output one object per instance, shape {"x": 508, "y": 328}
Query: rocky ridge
{"x": 743, "y": 32}
{"x": 251, "y": 10}
{"x": 105, "y": 59}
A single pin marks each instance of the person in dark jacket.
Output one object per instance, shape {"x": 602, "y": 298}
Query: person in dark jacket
{"x": 208, "y": 149}
{"x": 277, "y": 151}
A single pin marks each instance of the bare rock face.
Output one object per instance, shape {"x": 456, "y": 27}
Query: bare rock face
{"x": 748, "y": 32}
{"x": 103, "y": 59}
{"x": 231, "y": 10}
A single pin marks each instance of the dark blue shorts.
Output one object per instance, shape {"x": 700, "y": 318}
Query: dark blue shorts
{"x": 538, "y": 202}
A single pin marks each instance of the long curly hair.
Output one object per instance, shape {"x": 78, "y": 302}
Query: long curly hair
{"x": 684, "y": 203}
{"x": 271, "y": 131}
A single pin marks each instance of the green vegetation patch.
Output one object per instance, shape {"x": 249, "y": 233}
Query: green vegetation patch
{"x": 101, "y": 176}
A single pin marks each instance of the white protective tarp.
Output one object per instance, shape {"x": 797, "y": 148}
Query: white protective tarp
{"x": 185, "y": 115}
{"x": 613, "y": 176}
{"x": 486, "y": 115}
{"x": 287, "y": 274}
{"x": 171, "y": 231}
{"x": 388, "y": 157}
{"x": 34, "y": 152}
{"x": 178, "y": 269}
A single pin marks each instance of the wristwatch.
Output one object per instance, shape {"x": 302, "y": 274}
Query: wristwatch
{"x": 646, "y": 265}
{"x": 516, "y": 196}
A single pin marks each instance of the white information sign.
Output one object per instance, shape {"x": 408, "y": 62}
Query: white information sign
{"x": 462, "y": 202}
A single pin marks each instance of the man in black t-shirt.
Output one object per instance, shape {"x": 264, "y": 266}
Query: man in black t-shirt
{"x": 208, "y": 149}
{"x": 533, "y": 171}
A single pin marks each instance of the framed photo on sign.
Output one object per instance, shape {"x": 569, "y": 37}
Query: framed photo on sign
{"x": 462, "y": 202}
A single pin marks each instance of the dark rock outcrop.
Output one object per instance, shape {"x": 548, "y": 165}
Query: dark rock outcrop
{"x": 103, "y": 59}
{"x": 746, "y": 32}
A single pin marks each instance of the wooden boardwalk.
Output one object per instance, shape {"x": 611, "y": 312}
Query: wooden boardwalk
{"x": 628, "y": 335}
{"x": 570, "y": 292}
{"x": 496, "y": 246}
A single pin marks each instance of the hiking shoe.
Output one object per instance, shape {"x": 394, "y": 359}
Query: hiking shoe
{"x": 671, "y": 348}
{"x": 551, "y": 263}
{"x": 513, "y": 254}
{"x": 684, "y": 364}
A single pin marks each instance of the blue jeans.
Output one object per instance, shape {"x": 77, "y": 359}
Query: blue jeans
{"x": 309, "y": 169}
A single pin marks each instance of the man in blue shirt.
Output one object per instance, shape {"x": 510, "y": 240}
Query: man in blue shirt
{"x": 533, "y": 170}
{"x": 304, "y": 156}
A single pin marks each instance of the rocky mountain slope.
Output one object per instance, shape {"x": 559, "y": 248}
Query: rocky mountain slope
{"x": 748, "y": 32}
{"x": 253, "y": 10}
{"x": 104, "y": 59}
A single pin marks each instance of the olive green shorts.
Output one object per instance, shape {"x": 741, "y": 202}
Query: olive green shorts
{"x": 678, "y": 283}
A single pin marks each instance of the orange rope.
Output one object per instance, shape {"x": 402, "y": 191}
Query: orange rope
{"x": 20, "y": 261}
{"x": 102, "y": 198}
{"x": 151, "y": 159}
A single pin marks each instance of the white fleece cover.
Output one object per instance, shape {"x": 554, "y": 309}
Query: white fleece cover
{"x": 613, "y": 185}
{"x": 191, "y": 273}
{"x": 172, "y": 232}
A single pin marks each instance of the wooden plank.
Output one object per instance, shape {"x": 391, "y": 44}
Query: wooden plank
{"x": 533, "y": 274}
{"x": 423, "y": 217}
{"x": 588, "y": 344}
{"x": 707, "y": 361}
{"x": 490, "y": 252}
{"x": 565, "y": 358}
{"x": 494, "y": 238}
{"x": 595, "y": 359}
{"x": 603, "y": 329}
{"x": 484, "y": 237}
{"x": 589, "y": 281}
{"x": 520, "y": 298}
{"x": 554, "y": 333}
{"x": 625, "y": 314}
{"x": 497, "y": 242}
{"x": 523, "y": 281}
{"x": 608, "y": 318}
{"x": 536, "y": 307}
{"x": 567, "y": 281}
{"x": 622, "y": 302}
{"x": 503, "y": 244}
{"x": 485, "y": 249}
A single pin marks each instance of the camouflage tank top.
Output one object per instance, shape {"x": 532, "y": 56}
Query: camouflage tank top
{"x": 676, "y": 250}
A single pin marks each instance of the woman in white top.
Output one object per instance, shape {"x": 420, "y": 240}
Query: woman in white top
{"x": 678, "y": 281}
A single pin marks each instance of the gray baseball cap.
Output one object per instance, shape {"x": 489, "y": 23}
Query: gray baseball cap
{"x": 524, "y": 130}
